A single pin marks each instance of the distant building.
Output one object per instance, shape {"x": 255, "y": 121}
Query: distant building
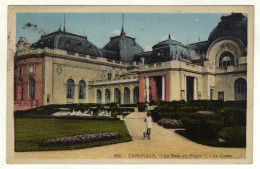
{"x": 63, "y": 68}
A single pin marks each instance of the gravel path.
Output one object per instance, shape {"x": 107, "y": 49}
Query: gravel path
{"x": 164, "y": 143}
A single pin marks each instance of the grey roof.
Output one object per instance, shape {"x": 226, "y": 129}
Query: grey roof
{"x": 168, "y": 42}
{"x": 67, "y": 41}
{"x": 234, "y": 25}
{"x": 198, "y": 45}
{"x": 168, "y": 50}
{"x": 124, "y": 46}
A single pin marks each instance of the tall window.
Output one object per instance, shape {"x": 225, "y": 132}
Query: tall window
{"x": 211, "y": 94}
{"x": 221, "y": 96}
{"x": 107, "y": 95}
{"x": 117, "y": 96}
{"x": 32, "y": 89}
{"x": 136, "y": 95}
{"x": 109, "y": 76}
{"x": 70, "y": 89}
{"x": 82, "y": 89}
{"x": 226, "y": 59}
{"x": 240, "y": 89}
{"x": 99, "y": 96}
{"x": 126, "y": 95}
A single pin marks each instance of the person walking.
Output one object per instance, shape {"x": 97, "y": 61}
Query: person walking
{"x": 148, "y": 121}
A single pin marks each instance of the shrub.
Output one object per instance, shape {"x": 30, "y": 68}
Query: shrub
{"x": 235, "y": 136}
{"x": 170, "y": 123}
{"x": 172, "y": 112}
{"x": 128, "y": 105}
{"x": 206, "y": 105}
{"x": 188, "y": 110}
{"x": 202, "y": 126}
{"x": 239, "y": 104}
{"x": 141, "y": 107}
{"x": 232, "y": 116}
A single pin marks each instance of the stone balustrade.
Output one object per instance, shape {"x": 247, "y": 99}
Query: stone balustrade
{"x": 73, "y": 55}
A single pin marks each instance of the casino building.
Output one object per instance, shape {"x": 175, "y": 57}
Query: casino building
{"x": 63, "y": 68}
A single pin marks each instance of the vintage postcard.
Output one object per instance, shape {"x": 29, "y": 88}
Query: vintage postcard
{"x": 130, "y": 84}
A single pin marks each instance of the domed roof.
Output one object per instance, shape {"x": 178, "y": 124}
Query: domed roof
{"x": 67, "y": 41}
{"x": 125, "y": 47}
{"x": 167, "y": 42}
{"x": 234, "y": 25}
{"x": 168, "y": 50}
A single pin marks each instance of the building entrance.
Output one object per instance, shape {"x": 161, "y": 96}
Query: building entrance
{"x": 156, "y": 88}
{"x": 190, "y": 88}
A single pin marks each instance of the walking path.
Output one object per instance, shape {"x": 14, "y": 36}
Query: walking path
{"x": 164, "y": 143}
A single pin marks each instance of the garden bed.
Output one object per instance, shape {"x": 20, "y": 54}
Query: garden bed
{"x": 80, "y": 139}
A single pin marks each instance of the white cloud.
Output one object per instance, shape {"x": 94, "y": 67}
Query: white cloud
{"x": 148, "y": 48}
{"x": 116, "y": 32}
{"x": 167, "y": 37}
{"x": 196, "y": 19}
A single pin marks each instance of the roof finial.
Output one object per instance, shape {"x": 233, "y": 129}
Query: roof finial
{"x": 122, "y": 30}
{"x": 169, "y": 36}
{"x": 60, "y": 26}
{"x": 64, "y": 29}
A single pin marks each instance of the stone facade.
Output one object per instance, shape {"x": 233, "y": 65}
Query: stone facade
{"x": 205, "y": 70}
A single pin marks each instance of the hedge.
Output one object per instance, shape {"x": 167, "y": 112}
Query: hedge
{"x": 232, "y": 116}
{"x": 172, "y": 112}
{"x": 202, "y": 127}
{"x": 141, "y": 107}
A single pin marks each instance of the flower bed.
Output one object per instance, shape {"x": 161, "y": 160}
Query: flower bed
{"x": 87, "y": 138}
{"x": 205, "y": 113}
{"x": 170, "y": 123}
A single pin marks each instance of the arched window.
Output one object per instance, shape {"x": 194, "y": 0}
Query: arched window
{"x": 126, "y": 95}
{"x": 226, "y": 59}
{"x": 117, "y": 96}
{"x": 32, "y": 89}
{"x": 82, "y": 89}
{"x": 136, "y": 95}
{"x": 99, "y": 96}
{"x": 107, "y": 95}
{"x": 70, "y": 89}
{"x": 240, "y": 89}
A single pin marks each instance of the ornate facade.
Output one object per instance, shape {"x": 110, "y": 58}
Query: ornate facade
{"x": 64, "y": 68}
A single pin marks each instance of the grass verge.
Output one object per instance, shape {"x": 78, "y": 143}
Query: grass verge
{"x": 31, "y": 132}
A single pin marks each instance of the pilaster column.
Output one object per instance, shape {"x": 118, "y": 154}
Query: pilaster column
{"x": 103, "y": 95}
{"x": 195, "y": 88}
{"x": 185, "y": 88}
{"x": 147, "y": 89}
{"x": 141, "y": 89}
{"x": 163, "y": 88}
{"x": 76, "y": 93}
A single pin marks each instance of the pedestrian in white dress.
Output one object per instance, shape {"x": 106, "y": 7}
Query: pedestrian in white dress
{"x": 148, "y": 121}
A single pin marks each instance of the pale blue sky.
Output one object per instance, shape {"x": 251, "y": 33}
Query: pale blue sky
{"x": 147, "y": 28}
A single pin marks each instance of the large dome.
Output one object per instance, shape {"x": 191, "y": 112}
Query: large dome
{"x": 234, "y": 25}
{"x": 124, "y": 46}
{"x": 168, "y": 50}
{"x": 67, "y": 41}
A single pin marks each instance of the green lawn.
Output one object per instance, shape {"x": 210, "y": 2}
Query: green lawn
{"x": 31, "y": 132}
